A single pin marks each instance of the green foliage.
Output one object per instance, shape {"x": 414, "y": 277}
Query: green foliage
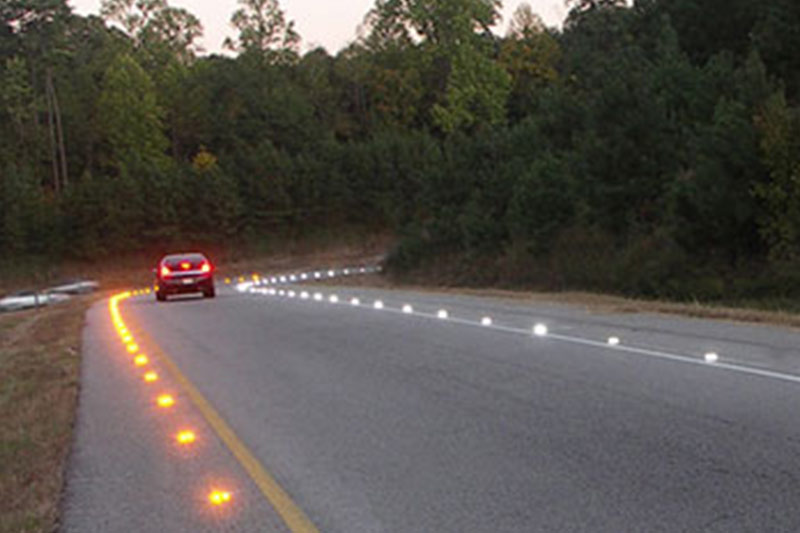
{"x": 542, "y": 204}
{"x": 264, "y": 32}
{"x": 477, "y": 92}
{"x": 646, "y": 148}
{"x": 16, "y": 94}
{"x": 156, "y": 27}
{"x": 130, "y": 116}
{"x": 779, "y": 126}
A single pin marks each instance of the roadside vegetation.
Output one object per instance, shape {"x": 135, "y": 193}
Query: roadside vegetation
{"x": 39, "y": 371}
{"x": 649, "y": 149}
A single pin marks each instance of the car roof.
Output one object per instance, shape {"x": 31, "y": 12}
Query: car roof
{"x": 178, "y": 257}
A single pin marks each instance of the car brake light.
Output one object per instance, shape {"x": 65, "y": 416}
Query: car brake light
{"x": 165, "y": 271}
{"x": 205, "y": 268}
{"x": 186, "y": 266}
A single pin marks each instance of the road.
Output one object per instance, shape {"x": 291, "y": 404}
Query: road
{"x": 384, "y": 421}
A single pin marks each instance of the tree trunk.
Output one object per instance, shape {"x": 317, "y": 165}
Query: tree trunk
{"x": 53, "y": 143}
{"x": 62, "y": 150}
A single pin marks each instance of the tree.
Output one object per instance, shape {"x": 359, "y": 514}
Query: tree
{"x": 468, "y": 87}
{"x": 131, "y": 117}
{"x": 530, "y": 55}
{"x": 525, "y": 23}
{"x": 447, "y": 24}
{"x": 779, "y": 126}
{"x": 40, "y": 26}
{"x": 264, "y": 32}
{"x": 477, "y": 93}
{"x": 581, "y": 6}
{"x": 17, "y": 98}
{"x": 156, "y": 26}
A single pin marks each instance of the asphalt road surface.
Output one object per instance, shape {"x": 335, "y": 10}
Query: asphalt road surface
{"x": 383, "y": 421}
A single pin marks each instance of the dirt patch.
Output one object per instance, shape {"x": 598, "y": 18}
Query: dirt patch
{"x": 39, "y": 372}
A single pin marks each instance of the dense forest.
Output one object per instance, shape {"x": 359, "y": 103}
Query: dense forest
{"x": 650, "y": 148}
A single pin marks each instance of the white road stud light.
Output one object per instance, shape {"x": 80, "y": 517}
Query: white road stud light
{"x": 283, "y": 279}
{"x": 363, "y": 270}
{"x": 486, "y": 321}
{"x": 346, "y": 271}
{"x": 304, "y": 277}
{"x": 317, "y": 275}
{"x": 292, "y": 294}
{"x": 334, "y": 299}
{"x": 613, "y": 341}
{"x": 281, "y": 293}
{"x": 273, "y": 280}
{"x": 378, "y": 304}
{"x": 318, "y": 297}
{"x": 331, "y": 273}
{"x": 293, "y": 278}
{"x": 712, "y": 357}
{"x": 355, "y": 302}
{"x": 408, "y": 310}
{"x": 540, "y": 330}
{"x": 304, "y": 295}
{"x": 443, "y": 314}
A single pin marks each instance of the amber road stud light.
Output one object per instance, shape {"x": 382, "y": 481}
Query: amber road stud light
{"x": 165, "y": 400}
{"x": 185, "y": 437}
{"x": 150, "y": 377}
{"x": 219, "y": 497}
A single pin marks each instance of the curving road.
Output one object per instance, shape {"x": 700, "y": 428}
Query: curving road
{"x": 383, "y": 421}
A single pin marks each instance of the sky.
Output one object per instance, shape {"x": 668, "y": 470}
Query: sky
{"x": 331, "y": 24}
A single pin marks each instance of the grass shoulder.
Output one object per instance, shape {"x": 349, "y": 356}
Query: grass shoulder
{"x": 39, "y": 384}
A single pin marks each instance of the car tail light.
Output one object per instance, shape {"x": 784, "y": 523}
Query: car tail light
{"x": 206, "y": 267}
{"x": 165, "y": 271}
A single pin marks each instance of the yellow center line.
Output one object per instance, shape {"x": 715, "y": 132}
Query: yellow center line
{"x": 294, "y": 517}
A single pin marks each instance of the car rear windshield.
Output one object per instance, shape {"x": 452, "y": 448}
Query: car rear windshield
{"x": 174, "y": 261}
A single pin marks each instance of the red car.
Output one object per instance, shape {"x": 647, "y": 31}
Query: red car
{"x": 184, "y": 273}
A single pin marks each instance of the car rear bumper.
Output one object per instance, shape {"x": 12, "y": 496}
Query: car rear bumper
{"x": 180, "y": 285}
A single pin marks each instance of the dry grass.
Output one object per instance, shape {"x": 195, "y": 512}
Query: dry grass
{"x": 39, "y": 372}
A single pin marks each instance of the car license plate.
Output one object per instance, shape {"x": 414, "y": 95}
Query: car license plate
{"x": 188, "y": 281}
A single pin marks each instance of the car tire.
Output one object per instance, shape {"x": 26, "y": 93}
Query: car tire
{"x": 209, "y": 293}
{"x": 160, "y": 296}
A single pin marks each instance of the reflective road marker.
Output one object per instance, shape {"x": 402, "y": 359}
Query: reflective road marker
{"x": 294, "y": 517}
{"x": 219, "y": 497}
{"x": 165, "y": 400}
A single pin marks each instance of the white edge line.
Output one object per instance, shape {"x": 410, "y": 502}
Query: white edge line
{"x": 603, "y": 345}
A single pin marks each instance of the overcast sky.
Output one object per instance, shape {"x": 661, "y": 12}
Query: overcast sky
{"x": 331, "y": 24}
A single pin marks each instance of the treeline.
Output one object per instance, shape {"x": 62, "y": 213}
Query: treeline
{"x": 651, "y": 149}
